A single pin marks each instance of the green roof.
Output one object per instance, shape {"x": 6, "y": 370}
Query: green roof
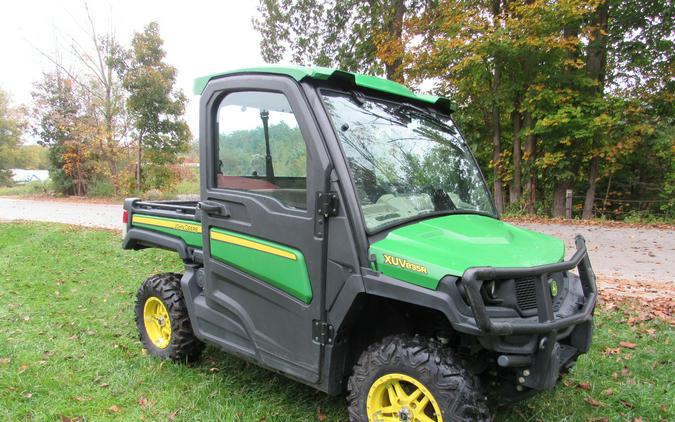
{"x": 300, "y": 73}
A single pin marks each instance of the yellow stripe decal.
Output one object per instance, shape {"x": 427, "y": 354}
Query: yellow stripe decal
{"x": 176, "y": 225}
{"x": 252, "y": 245}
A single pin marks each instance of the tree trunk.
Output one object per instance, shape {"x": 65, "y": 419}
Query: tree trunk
{"x": 395, "y": 30}
{"x": 496, "y": 154}
{"x": 559, "y": 198}
{"x": 515, "y": 189}
{"x": 531, "y": 155}
{"x": 496, "y": 123}
{"x": 596, "y": 63}
{"x": 590, "y": 193}
{"x": 138, "y": 166}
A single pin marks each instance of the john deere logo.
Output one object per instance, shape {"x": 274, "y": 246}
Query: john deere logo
{"x": 554, "y": 287}
{"x": 404, "y": 263}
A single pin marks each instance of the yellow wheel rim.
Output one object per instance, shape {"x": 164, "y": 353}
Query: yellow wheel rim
{"x": 157, "y": 322}
{"x": 401, "y": 398}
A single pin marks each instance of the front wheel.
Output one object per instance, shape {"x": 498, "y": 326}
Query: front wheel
{"x": 162, "y": 319}
{"x": 412, "y": 379}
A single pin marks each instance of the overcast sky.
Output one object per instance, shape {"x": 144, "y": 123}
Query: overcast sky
{"x": 200, "y": 37}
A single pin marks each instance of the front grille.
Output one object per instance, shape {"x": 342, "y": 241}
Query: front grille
{"x": 526, "y": 295}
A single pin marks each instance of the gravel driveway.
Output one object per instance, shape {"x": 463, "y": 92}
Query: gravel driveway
{"x": 627, "y": 253}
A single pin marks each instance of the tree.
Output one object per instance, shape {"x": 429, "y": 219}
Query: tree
{"x": 155, "y": 108}
{"x": 63, "y": 125}
{"x": 354, "y": 35}
{"x": 97, "y": 59}
{"x": 11, "y": 129}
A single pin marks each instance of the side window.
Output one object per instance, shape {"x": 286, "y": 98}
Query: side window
{"x": 260, "y": 147}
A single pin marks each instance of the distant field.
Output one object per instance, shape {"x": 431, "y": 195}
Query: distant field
{"x": 68, "y": 348}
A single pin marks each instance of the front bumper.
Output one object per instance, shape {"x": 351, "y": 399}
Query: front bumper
{"x": 474, "y": 278}
{"x": 549, "y": 341}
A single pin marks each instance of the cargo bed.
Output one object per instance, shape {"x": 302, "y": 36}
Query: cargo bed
{"x": 172, "y": 225}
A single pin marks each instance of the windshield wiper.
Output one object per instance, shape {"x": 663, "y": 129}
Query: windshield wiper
{"x": 433, "y": 214}
{"x": 406, "y": 109}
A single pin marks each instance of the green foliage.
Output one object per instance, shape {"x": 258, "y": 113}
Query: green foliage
{"x": 243, "y": 151}
{"x": 582, "y": 91}
{"x": 33, "y": 188}
{"x": 354, "y": 35}
{"x": 155, "y": 107}
{"x": 102, "y": 188}
{"x": 11, "y": 126}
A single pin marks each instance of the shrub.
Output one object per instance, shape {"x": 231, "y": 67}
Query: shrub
{"x": 101, "y": 188}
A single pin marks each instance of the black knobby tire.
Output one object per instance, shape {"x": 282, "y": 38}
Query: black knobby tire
{"x": 438, "y": 369}
{"x": 183, "y": 345}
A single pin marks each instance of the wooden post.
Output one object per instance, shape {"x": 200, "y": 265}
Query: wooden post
{"x": 568, "y": 203}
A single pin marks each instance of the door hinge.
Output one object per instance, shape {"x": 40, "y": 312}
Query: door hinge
{"x": 322, "y": 332}
{"x": 327, "y": 204}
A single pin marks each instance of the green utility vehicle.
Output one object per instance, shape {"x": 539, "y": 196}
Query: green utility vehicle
{"x": 345, "y": 237}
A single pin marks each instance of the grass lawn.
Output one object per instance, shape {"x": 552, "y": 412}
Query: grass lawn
{"x": 69, "y": 349}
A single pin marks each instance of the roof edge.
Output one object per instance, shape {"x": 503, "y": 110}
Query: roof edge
{"x": 323, "y": 73}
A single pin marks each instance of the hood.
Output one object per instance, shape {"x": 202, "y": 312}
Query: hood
{"x": 424, "y": 252}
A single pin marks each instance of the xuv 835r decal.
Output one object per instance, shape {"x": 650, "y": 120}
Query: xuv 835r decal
{"x": 404, "y": 263}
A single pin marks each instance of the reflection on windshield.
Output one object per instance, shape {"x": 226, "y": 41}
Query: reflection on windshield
{"x": 404, "y": 163}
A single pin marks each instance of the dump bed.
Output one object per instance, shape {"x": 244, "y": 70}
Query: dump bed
{"x": 173, "y": 225}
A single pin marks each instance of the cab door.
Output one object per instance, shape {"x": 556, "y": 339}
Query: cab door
{"x": 263, "y": 246}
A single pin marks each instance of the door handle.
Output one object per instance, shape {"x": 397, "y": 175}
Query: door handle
{"x": 213, "y": 208}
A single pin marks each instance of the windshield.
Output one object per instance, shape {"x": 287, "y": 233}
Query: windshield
{"x": 405, "y": 162}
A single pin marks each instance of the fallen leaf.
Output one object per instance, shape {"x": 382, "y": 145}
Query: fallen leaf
{"x": 593, "y": 402}
{"x": 320, "y": 415}
{"x": 627, "y": 344}
{"x": 626, "y": 404}
{"x": 144, "y": 352}
{"x": 584, "y": 385}
{"x": 80, "y": 399}
{"x": 625, "y": 371}
{"x": 114, "y": 409}
{"x": 5, "y": 361}
{"x": 611, "y": 351}
{"x": 143, "y": 401}
{"x": 75, "y": 419}
{"x": 172, "y": 416}
{"x": 568, "y": 383}
{"x": 28, "y": 394}
{"x": 664, "y": 408}
{"x": 22, "y": 368}
{"x": 637, "y": 419}
{"x": 214, "y": 369}
{"x": 104, "y": 385}
{"x": 608, "y": 392}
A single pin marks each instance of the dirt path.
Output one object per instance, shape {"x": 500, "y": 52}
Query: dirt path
{"x": 625, "y": 253}
{"x": 83, "y": 214}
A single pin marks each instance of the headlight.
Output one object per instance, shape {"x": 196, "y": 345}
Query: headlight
{"x": 490, "y": 289}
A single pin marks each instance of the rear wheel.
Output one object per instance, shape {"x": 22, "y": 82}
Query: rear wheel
{"x": 162, "y": 319}
{"x": 412, "y": 379}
